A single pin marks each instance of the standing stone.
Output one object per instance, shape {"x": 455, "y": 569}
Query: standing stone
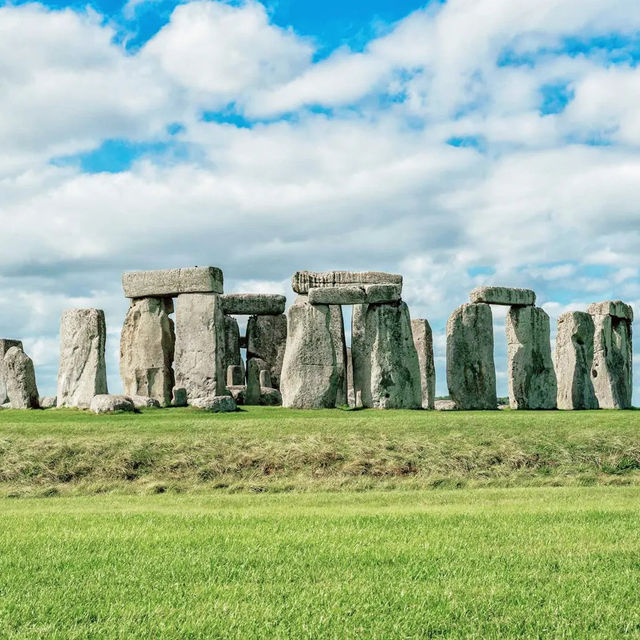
{"x": 611, "y": 372}
{"x": 199, "y": 346}
{"x": 573, "y": 361}
{"x": 423, "y": 340}
{"x": 147, "y": 345}
{"x": 232, "y": 355}
{"x": 471, "y": 373}
{"x": 5, "y": 345}
{"x": 340, "y": 347}
{"x": 310, "y": 374}
{"x": 351, "y": 395}
{"x": 265, "y": 379}
{"x": 82, "y": 373}
{"x": 359, "y": 353}
{"x": 267, "y": 340}
{"x": 21, "y": 379}
{"x": 530, "y": 372}
{"x": 390, "y": 376}
{"x": 255, "y": 366}
{"x": 235, "y": 375}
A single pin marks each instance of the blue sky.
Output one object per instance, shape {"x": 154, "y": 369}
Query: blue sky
{"x": 459, "y": 143}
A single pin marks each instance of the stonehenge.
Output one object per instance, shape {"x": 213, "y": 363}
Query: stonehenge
{"x": 253, "y": 304}
{"x": 170, "y": 283}
{"x": 5, "y": 345}
{"x": 267, "y": 339}
{"x": 302, "y": 281}
{"x": 503, "y": 296}
{"x": 423, "y": 341}
{"x": 22, "y": 390}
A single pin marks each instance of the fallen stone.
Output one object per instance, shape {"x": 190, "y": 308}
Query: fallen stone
{"x": 169, "y": 283}
{"x": 106, "y": 403}
{"x": 144, "y": 402}
{"x": 530, "y": 372}
{"x": 232, "y": 355}
{"x": 5, "y": 345}
{"x": 503, "y": 295}
{"x": 216, "y": 404}
{"x": 179, "y": 397}
{"x": 147, "y": 345}
{"x": 82, "y": 373}
{"x": 615, "y": 308}
{"x": 573, "y": 360}
{"x": 302, "y": 281}
{"x": 444, "y": 405}
{"x": 253, "y": 304}
{"x": 471, "y": 374}
{"x": 235, "y": 375}
{"x": 21, "y": 380}
{"x": 423, "y": 341}
{"x": 267, "y": 340}
{"x": 255, "y": 366}
{"x": 48, "y": 402}
{"x": 270, "y": 397}
{"x": 355, "y": 294}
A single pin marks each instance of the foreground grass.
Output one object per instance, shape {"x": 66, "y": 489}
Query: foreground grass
{"x": 518, "y": 563}
{"x": 272, "y": 449}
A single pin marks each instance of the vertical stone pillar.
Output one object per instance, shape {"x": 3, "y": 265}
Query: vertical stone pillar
{"x": 359, "y": 353}
{"x": 255, "y": 367}
{"x": 340, "y": 347}
{"x": 82, "y": 373}
{"x": 232, "y": 355}
{"x": 147, "y": 344}
{"x": 573, "y": 361}
{"x": 21, "y": 380}
{"x": 351, "y": 396}
{"x": 5, "y": 345}
{"x": 471, "y": 373}
{"x": 423, "y": 340}
{"x": 530, "y": 372}
{"x": 267, "y": 340}
{"x": 199, "y": 346}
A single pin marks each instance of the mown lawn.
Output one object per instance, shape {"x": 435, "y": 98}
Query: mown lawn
{"x": 483, "y": 563}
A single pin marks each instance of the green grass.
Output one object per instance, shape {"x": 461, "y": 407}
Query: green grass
{"x": 515, "y": 563}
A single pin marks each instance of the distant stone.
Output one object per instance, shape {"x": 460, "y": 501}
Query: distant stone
{"x": 106, "y": 403}
{"x": 471, "y": 373}
{"x": 615, "y": 308}
{"x": 5, "y": 345}
{"x": 355, "y": 294}
{"x": 235, "y": 375}
{"x": 21, "y": 380}
{"x": 270, "y": 397}
{"x": 82, "y": 373}
{"x": 265, "y": 378}
{"x": 232, "y": 355}
{"x": 48, "y": 402}
{"x": 530, "y": 372}
{"x": 303, "y": 281}
{"x": 255, "y": 366}
{"x": 216, "y": 404}
{"x": 444, "y": 405}
{"x": 267, "y": 340}
{"x": 573, "y": 361}
{"x": 237, "y": 392}
{"x": 504, "y": 296}
{"x": 253, "y": 304}
{"x": 351, "y": 395}
{"x": 144, "y": 402}
{"x": 359, "y": 352}
{"x": 179, "y": 397}
{"x": 168, "y": 283}
{"x": 423, "y": 341}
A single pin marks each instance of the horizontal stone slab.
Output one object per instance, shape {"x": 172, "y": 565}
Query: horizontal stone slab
{"x": 355, "y": 294}
{"x": 302, "y": 281}
{"x": 615, "y": 308}
{"x": 503, "y": 295}
{"x": 253, "y": 304}
{"x": 168, "y": 283}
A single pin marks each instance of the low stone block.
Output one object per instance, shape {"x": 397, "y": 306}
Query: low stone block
{"x": 503, "y": 295}
{"x": 253, "y": 304}
{"x": 48, "y": 402}
{"x": 444, "y": 405}
{"x": 237, "y": 392}
{"x": 615, "y": 308}
{"x": 265, "y": 379}
{"x": 168, "y": 283}
{"x": 270, "y": 397}
{"x": 355, "y": 294}
{"x": 179, "y": 397}
{"x": 216, "y": 404}
{"x": 144, "y": 402}
{"x": 303, "y": 281}
{"x": 107, "y": 403}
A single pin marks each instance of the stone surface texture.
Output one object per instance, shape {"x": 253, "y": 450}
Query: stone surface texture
{"x": 48, "y": 402}
{"x": 270, "y": 397}
{"x": 504, "y": 296}
{"x": 199, "y": 349}
{"x": 302, "y": 281}
{"x": 5, "y": 345}
{"x": 82, "y": 372}
{"x": 351, "y": 394}
{"x": 235, "y": 375}
{"x": 615, "y": 308}
{"x": 106, "y": 403}
{"x": 573, "y": 359}
{"x": 179, "y": 397}
{"x": 340, "y": 347}
{"x": 147, "y": 345}
{"x": 253, "y": 304}
{"x": 168, "y": 283}
{"x": 355, "y": 294}
{"x": 21, "y": 380}
{"x": 216, "y": 404}
{"x": 144, "y": 402}
{"x": 530, "y": 372}
{"x": 232, "y": 354}
{"x": 471, "y": 373}
{"x": 423, "y": 341}
{"x": 267, "y": 340}
{"x": 265, "y": 378}
{"x": 254, "y": 368}
{"x": 359, "y": 353}
{"x": 445, "y": 405}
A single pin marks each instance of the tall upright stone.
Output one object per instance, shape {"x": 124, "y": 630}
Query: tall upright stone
{"x": 471, "y": 373}
{"x": 199, "y": 346}
{"x": 573, "y": 360}
{"x": 423, "y": 340}
{"x": 351, "y": 395}
{"x": 359, "y": 353}
{"x": 82, "y": 373}
{"x": 530, "y": 372}
{"x": 611, "y": 372}
{"x": 255, "y": 367}
{"x": 340, "y": 347}
{"x": 390, "y": 375}
{"x": 147, "y": 344}
{"x": 267, "y": 340}
{"x": 232, "y": 355}
{"x": 5, "y": 345}
{"x": 310, "y": 375}
{"x": 21, "y": 379}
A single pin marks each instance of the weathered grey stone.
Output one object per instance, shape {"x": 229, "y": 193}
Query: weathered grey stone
{"x": 423, "y": 340}
{"x": 106, "y": 403}
{"x": 232, "y": 354}
{"x": 444, "y": 405}
{"x": 200, "y": 346}
{"x": 391, "y": 371}
{"x": 216, "y": 404}
{"x": 267, "y": 340}
{"x": 615, "y": 308}
{"x": 21, "y": 380}
{"x": 573, "y": 359}
{"x": 355, "y": 294}
{"x": 253, "y": 304}
{"x": 270, "y": 397}
{"x": 340, "y": 346}
{"x": 179, "y": 397}
{"x": 471, "y": 374}
{"x": 310, "y": 373}
{"x": 147, "y": 345}
{"x": 5, "y": 345}
{"x": 359, "y": 352}
{"x": 237, "y": 392}
{"x": 351, "y": 394}
{"x": 235, "y": 375}
{"x": 503, "y": 295}
{"x": 611, "y": 372}
{"x": 530, "y": 372}
{"x": 254, "y": 368}
{"x": 144, "y": 402}
{"x": 302, "y": 281}
{"x": 48, "y": 402}
{"x": 168, "y": 283}
{"x": 265, "y": 379}
{"x": 82, "y": 373}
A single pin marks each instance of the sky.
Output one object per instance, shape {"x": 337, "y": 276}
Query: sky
{"x": 458, "y": 143}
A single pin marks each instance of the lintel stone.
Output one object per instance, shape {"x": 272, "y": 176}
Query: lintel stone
{"x": 168, "y": 283}
{"x": 302, "y": 281}
{"x": 615, "y": 308}
{"x": 503, "y": 295}
{"x": 355, "y": 294}
{"x": 253, "y": 304}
